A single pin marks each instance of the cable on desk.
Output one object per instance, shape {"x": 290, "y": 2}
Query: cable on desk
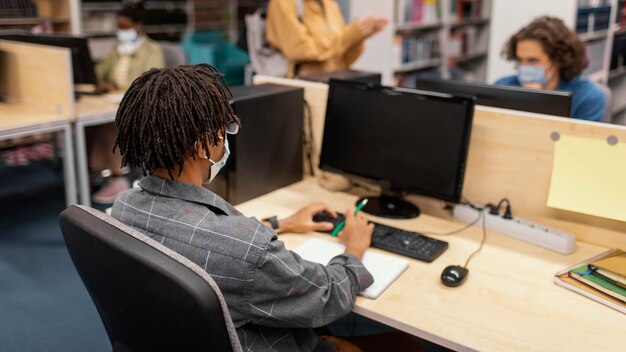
{"x": 481, "y": 214}
{"x": 309, "y": 141}
{"x": 479, "y": 209}
{"x": 507, "y": 211}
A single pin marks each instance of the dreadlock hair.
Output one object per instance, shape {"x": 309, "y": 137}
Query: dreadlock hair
{"x": 165, "y": 111}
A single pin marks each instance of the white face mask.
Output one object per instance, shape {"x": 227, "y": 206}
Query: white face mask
{"x": 217, "y": 165}
{"x": 125, "y": 36}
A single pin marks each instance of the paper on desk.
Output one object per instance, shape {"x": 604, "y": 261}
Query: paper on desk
{"x": 115, "y": 97}
{"x": 384, "y": 268}
{"x": 589, "y": 177}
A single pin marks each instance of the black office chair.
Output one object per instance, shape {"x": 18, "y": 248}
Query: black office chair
{"x": 149, "y": 297}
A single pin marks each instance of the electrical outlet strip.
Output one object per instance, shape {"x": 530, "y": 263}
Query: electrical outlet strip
{"x": 559, "y": 241}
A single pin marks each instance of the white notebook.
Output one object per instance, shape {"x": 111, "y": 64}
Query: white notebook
{"x": 384, "y": 268}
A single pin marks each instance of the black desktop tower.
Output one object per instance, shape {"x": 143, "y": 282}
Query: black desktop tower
{"x": 344, "y": 75}
{"x": 266, "y": 154}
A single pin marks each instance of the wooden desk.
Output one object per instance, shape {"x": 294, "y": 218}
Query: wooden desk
{"x": 508, "y": 302}
{"x": 90, "y": 111}
{"x": 18, "y": 120}
{"x": 38, "y": 99}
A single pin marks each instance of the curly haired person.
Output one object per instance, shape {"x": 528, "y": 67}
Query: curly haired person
{"x": 551, "y": 56}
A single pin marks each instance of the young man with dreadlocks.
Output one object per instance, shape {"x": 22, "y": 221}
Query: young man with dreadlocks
{"x": 174, "y": 124}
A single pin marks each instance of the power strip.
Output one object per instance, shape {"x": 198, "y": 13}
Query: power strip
{"x": 559, "y": 241}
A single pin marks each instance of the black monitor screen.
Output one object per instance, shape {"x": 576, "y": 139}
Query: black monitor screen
{"x": 541, "y": 101}
{"x": 416, "y": 141}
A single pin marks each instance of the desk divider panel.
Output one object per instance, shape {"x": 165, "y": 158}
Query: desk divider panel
{"x": 510, "y": 155}
{"x": 39, "y": 76}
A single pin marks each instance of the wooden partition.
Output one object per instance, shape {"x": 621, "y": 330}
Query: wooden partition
{"x": 510, "y": 155}
{"x": 37, "y": 76}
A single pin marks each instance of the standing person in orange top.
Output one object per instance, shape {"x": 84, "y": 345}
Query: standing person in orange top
{"x": 320, "y": 41}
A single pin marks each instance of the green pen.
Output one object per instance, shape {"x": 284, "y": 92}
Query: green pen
{"x": 343, "y": 223}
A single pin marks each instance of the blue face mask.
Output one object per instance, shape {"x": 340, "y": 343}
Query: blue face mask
{"x": 532, "y": 74}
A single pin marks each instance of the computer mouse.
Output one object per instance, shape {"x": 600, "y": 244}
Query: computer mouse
{"x": 454, "y": 275}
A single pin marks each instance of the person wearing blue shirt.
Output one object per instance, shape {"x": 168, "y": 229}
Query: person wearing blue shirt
{"x": 550, "y": 56}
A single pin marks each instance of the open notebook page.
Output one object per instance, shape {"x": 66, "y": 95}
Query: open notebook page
{"x": 384, "y": 268}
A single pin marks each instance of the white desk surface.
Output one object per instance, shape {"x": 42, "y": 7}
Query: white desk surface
{"x": 508, "y": 303}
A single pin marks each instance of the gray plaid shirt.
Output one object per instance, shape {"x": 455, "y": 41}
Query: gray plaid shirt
{"x": 274, "y": 296}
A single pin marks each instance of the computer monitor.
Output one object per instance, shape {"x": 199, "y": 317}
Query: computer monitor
{"x": 405, "y": 140}
{"x": 344, "y": 75}
{"x": 82, "y": 64}
{"x": 549, "y": 102}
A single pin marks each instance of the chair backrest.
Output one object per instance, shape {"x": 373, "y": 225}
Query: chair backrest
{"x": 608, "y": 98}
{"x": 173, "y": 54}
{"x": 149, "y": 297}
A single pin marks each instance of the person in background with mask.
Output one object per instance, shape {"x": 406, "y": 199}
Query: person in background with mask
{"x": 551, "y": 56}
{"x": 134, "y": 54}
{"x": 175, "y": 123}
{"x": 320, "y": 41}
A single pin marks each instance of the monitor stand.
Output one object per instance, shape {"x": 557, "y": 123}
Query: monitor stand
{"x": 390, "y": 206}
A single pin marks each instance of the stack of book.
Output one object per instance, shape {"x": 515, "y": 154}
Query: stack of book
{"x": 462, "y": 42}
{"x": 417, "y": 11}
{"x": 620, "y": 14}
{"x": 464, "y": 9}
{"x": 593, "y": 16}
{"x": 415, "y": 50}
{"x": 602, "y": 279}
{"x": 18, "y": 9}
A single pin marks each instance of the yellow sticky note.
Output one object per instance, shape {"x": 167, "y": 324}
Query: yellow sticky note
{"x": 589, "y": 177}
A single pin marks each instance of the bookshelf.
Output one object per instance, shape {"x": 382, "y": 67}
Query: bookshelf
{"x": 57, "y": 16}
{"x": 165, "y": 19}
{"x": 601, "y": 24}
{"x": 217, "y": 15}
{"x": 444, "y": 38}
{"x": 594, "y": 26}
{"x": 616, "y": 60}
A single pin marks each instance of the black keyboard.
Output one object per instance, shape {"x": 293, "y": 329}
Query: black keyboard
{"x": 410, "y": 244}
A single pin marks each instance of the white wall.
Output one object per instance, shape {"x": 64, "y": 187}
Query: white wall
{"x": 508, "y": 16}
{"x": 378, "y": 49}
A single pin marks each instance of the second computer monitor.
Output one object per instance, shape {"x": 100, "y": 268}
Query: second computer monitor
{"x": 549, "y": 102}
{"x": 404, "y": 140}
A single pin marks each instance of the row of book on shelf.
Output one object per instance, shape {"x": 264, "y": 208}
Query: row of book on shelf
{"x": 620, "y": 14}
{"x": 462, "y": 42}
{"x": 410, "y": 50}
{"x": 425, "y": 48}
{"x": 602, "y": 279}
{"x": 593, "y": 16}
{"x": 429, "y": 11}
{"x": 18, "y": 9}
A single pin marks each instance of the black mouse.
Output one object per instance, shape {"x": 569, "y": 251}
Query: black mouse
{"x": 454, "y": 275}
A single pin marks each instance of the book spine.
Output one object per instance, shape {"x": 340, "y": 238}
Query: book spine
{"x": 597, "y": 286}
{"x": 557, "y": 280}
